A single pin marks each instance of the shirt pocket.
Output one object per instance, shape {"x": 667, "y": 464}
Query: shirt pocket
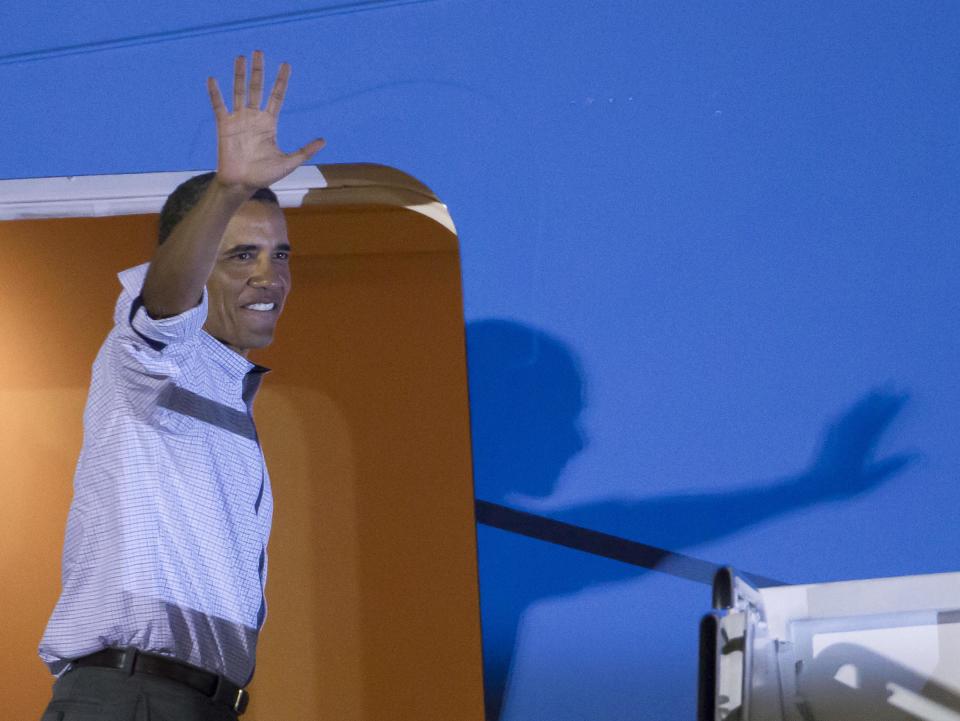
{"x": 177, "y": 410}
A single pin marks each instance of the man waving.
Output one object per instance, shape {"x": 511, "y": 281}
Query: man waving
{"x": 164, "y": 560}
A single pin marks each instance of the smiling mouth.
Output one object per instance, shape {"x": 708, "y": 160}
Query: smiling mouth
{"x": 261, "y": 307}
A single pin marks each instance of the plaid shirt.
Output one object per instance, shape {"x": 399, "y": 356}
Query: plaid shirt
{"x": 166, "y": 537}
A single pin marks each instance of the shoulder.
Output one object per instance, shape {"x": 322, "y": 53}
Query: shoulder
{"x": 136, "y": 329}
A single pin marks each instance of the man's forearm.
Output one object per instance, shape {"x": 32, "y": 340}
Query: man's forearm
{"x": 182, "y": 264}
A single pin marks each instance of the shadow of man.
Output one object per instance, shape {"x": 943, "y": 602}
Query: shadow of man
{"x": 526, "y": 397}
{"x": 885, "y": 690}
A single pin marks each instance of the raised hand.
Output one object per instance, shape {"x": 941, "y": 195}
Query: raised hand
{"x": 845, "y": 464}
{"x": 247, "y": 152}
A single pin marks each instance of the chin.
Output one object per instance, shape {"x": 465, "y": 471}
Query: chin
{"x": 245, "y": 345}
{"x": 259, "y": 342}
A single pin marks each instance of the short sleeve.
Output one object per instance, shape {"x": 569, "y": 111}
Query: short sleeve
{"x": 130, "y": 315}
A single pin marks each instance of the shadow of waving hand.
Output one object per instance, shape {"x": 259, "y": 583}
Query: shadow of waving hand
{"x": 526, "y": 397}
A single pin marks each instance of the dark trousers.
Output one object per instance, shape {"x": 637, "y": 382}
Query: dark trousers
{"x": 104, "y": 694}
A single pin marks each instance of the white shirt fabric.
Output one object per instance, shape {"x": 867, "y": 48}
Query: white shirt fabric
{"x": 166, "y": 537}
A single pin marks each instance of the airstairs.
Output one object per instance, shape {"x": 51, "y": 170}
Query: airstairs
{"x": 884, "y": 649}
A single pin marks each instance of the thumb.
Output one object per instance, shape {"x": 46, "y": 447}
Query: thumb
{"x": 881, "y": 470}
{"x": 308, "y": 150}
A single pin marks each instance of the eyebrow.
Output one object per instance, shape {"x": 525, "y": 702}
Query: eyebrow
{"x": 252, "y": 248}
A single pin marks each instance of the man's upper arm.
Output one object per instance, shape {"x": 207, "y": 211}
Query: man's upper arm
{"x": 134, "y": 323}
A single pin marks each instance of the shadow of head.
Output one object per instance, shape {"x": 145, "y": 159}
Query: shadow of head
{"x": 526, "y": 396}
{"x": 848, "y": 682}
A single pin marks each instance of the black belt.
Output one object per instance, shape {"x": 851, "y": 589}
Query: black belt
{"x": 133, "y": 660}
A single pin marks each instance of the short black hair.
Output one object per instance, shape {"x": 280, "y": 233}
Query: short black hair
{"x": 187, "y": 194}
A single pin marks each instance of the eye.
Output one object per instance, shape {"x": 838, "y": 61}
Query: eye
{"x": 282, "y": 255}
{"x": 244, "y": 255}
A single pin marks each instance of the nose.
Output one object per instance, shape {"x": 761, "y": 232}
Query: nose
{"x": 266, "y": 275}
{"x": 578, "y": 439}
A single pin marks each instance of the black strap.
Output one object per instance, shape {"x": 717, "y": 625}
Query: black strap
{"x": 132, "y": 660}
{"x": 603, "y": 544}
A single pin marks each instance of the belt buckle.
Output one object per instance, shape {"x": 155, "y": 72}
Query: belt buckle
{"x": 241, "y": 701}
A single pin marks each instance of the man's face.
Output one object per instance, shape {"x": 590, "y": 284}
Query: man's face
{"x": 251, "y": 278}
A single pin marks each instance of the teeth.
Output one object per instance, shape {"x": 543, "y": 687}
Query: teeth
{"x": 260, "y": 306}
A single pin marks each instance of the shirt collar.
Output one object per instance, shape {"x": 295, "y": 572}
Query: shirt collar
{"x": 234, "y": 364}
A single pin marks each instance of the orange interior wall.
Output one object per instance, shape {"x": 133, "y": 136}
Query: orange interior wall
{"x": 372, "y": 588}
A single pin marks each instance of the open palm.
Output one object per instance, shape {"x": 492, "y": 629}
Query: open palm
{"x": 247, "y": 152}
